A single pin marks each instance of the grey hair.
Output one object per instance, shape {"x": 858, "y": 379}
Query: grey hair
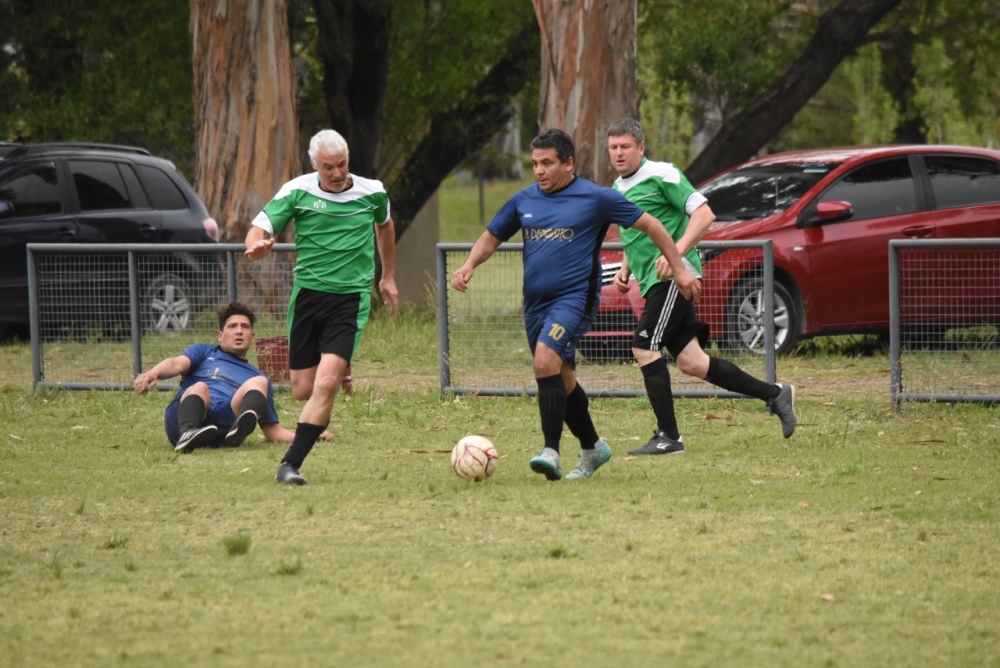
{"x": 627, "y": 126}
{"x": 329, "y": 140}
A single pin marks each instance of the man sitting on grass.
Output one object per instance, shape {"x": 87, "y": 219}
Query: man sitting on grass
{"x": 222, "y": 396}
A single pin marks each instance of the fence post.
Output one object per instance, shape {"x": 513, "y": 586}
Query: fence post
{"x": 895, "y": 328}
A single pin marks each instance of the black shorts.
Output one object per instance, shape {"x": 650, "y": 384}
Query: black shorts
{"x": 668, "y": 321}
{"x": 323, "y": 322}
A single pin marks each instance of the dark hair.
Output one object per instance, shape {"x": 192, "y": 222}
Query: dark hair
{"x": 235, "y": 308}
{"x": 627, "y": 126}
{"x": 558, "y": 140}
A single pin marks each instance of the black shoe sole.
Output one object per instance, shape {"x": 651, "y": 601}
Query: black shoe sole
{"x": 203, "y": 439}
{"x": 657, "y": 451}
{"x": 245, "y": 424}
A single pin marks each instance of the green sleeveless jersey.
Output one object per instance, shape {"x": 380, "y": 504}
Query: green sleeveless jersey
{"x": 334, "y": 232}
{"x": 662, "y": 191}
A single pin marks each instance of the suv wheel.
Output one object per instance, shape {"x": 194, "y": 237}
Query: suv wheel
{"x": 745, "y": 317}
{"x": 169, "y": 304}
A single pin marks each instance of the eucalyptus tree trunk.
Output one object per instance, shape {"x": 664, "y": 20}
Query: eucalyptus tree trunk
{"x": 588, "y": 74}
{"x": 244, "y": 99}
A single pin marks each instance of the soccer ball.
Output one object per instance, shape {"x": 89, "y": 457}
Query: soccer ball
{"x": 474, "y": 458}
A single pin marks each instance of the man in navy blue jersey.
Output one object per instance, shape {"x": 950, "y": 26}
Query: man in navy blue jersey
{"x": 222, "y": 396}
{"x": 563, "y": 220}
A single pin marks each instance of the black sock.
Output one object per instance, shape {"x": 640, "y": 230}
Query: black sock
{"x": 730, "y": 377}
{"x": 254, "y": 400}
{"x": 190, "y": 412}
{"x": 306, "y": 436}
{"x": 656, "y": 377}
{"x": 552, "y": 407}
{"x": 578, "y": 418}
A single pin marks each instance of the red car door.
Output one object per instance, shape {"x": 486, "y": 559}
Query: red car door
{"x": 849, "y": 258}
{"x": 963, "y": 285}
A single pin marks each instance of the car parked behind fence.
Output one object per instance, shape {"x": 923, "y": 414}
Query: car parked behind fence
{"x": 97, "y": 193}
{"x": 830, "y": 214}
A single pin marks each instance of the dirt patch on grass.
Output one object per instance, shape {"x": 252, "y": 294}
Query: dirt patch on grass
{"x": 827, "y": 377}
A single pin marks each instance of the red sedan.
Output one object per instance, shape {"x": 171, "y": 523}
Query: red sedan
{"x": 830, "y": 214}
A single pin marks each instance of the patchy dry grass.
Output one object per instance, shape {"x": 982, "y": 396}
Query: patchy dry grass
{"x": 867, "y": 539}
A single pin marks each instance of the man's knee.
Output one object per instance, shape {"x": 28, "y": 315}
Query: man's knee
{"x": 301, "y": 390}
{"x": 693, "y": 361}
{"x": 258, "y": 383}
{"x": 547, "y": 362}
{"x": 302, "y": 381}
{"x": 644, "y": 357}
{"x": 328, "y": 376}
{"x": 199, "y": 389}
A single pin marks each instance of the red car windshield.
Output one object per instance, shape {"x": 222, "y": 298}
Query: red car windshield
{"x": 759, "y": 191}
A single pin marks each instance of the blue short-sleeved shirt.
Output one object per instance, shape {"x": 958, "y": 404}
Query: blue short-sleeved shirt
{"x": 562, "y": 234}
{"x": 224, "y": 374}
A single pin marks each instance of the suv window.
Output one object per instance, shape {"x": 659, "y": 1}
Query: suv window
{"x": 99, "y": 185}
{"x": 876, "y": 190}
{"x": 963, "y": 180}
{"x": 33, "y": 192}
{"x": 163, "y": 192}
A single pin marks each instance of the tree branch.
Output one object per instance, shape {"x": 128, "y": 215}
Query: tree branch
{"x": 465, "y": 128}
{"x": 839, "y": 33}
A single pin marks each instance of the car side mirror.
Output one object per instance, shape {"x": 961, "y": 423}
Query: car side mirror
{"x": 830, "y": 211}
{"x": 6, "y": 208}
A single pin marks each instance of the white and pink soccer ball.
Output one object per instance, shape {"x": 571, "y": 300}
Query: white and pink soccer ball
{"x": 474, "y": 458}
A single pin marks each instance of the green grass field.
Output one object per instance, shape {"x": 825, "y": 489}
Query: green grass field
{"x": 868, "y": 539}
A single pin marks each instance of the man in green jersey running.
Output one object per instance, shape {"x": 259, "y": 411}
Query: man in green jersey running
{"x": 339, "y": 219}
{"x": 668, "y": 318}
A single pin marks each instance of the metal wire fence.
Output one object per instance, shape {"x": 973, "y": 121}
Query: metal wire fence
{"x": 484, "y": 350}
{"x": 944, "y": 297}
{"x": 101, "y": 313}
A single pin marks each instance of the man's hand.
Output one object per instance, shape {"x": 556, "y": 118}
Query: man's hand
{"x": 620, "y": 280}
{"x": 259, "y": 248}
{"x": 688, "y": 285}
{"x": 460, "y": 279}
{"x": 144, "y": 382}
{"x": 663, "y": 269}
{"x": 390, "y": 294}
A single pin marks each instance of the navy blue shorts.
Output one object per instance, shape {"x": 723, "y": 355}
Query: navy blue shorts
{"x": 559, "y": 325}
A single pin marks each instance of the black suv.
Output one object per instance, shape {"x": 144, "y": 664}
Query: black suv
{"x": 99, "y": 193}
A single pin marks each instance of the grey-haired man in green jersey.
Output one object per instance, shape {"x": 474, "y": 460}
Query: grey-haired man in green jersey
{"x": 668, "y": 318}
{"x": 339, "y": 219}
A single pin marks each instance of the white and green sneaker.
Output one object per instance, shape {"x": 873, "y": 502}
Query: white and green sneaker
{"x": 547, "y": 463}
{"x": 590, "y": 461}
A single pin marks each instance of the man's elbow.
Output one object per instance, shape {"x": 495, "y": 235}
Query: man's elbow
{"x": 706, "y": 214}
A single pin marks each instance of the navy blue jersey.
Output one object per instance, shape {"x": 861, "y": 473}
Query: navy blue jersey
{"x": 223, "y": 373}
{"x": 562, "y": 234}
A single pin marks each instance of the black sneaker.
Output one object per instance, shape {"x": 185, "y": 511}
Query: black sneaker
{"x": 289, "y": 475}
{"x": 660, "y": 444}
{"x": 197, "y": 438}
{"x": 783, "y": 406}
{"x": 243, "y": 427}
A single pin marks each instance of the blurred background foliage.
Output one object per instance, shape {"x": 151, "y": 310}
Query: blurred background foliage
{"x": 120, "y": 72}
